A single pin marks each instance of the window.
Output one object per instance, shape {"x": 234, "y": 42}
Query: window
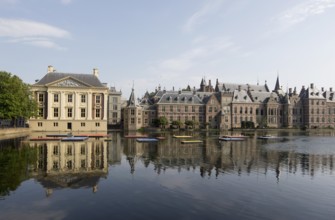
{"x": 82, "y": 112}
{"x": 210, "y": 109}
{"x": 69, "y": 112}
{"x": 114, "y": 107}
{"x": 83, "y": 98}
{"x": 163, "y": 109}
{"x": 39, "y": 124}
{"x": 114, "y": 99}
{"x": 55, "y": 124}
{"x": 69, "y": 97}
{"x": 132, "y": 121}
{"x": 55, "y": 97}
{"x": 97, "y": 113}
{"x": 69, "y": 149}
{"x": 56, "y": 112}
{"x": 97, "y": 124}
{"x": 82, "y": 149}
{"x": 186, "y": 108}
{"x": 193, "y": 108}
{"x": 171, "y": 108}
{"x": 56, "y": 150}
{"x": 55, "y": 165}
{"x": 114, "y": 114}
{"x": 132, "y": 111}
{"x": 40, "y": 97}
{"x": 98, "y": 99}
{"x": 83, "y": 163}
{"x": 40, "y": 112}
{"x": 82, "y": 124}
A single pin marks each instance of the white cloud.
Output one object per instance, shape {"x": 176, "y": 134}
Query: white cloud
{"x": 303, "y": 11}
{"x": 66, "y": 2}
{"x": 200, "y": 16}
{"x": 31, "y": 32}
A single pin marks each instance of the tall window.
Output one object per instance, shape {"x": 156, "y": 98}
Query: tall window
{"x": 40, "y": 112}
{"x": 114, "y": 99}
{"x": 55, "y": 97}
{"x": 56, "y": 112}
{"x": 40, "y": 97}
{"x": 97, "y": 113}
{"x": 83, "y": 112}
{"x": 98, "y": 99}
{"x": 83, "y": 98}
{"x": 69, "y": 98}
{"x": 69, "y": 112}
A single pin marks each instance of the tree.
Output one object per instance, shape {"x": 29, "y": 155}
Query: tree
{"x": 190, "y": 124}
{"x": 176, "y": 124}
{"x": 15, "y": 98}
{"x": 161, "y": 122}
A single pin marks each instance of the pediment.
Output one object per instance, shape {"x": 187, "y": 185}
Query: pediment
{"x": 68, "y": 82}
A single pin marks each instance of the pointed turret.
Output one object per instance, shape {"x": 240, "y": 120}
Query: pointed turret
{"x": 132, "y": 102}
{"x": 277, "y": 86}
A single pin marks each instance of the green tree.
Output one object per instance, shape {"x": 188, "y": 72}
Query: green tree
{"x": 15, "y": 98}
{"x": 176, "y": 124}
{"x": 190, "y": 124}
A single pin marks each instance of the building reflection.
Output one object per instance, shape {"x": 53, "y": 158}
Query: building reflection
{"x": 214, "y": 158}
{"x": 70, "y": 164}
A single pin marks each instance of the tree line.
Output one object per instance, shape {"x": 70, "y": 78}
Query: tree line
{"x": 16, "y": 101}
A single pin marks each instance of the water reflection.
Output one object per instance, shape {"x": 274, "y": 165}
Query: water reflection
{"x": 57, "y": 165}
{"x": 70, "y": 164}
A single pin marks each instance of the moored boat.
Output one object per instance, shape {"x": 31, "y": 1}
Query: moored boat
{"x": 232, "y": 138}
{"x": 146, "y": 139}
{"x": 191, "y": 141}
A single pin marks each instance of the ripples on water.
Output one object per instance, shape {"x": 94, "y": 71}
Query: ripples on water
{"x": 288, "y": 178}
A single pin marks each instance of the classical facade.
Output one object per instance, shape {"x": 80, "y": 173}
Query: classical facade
{"x": 70, "y": 102}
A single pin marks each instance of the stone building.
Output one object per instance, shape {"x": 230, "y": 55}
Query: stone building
{"x": 114, "y": 108}
{"x": 70, "y": 102}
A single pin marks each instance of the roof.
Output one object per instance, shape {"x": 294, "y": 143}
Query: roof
{"x": 88, "y": 79}
{"x": 230, "y": 87}
{"x": 241, "y": 96}
{"x": 180, "y": 98}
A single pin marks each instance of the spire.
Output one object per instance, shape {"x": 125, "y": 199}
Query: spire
{"x": 277, "y": 86}
{"x": 132, "y": 100}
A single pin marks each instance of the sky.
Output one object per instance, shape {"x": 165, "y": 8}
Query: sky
{"x": 143, "y": 44}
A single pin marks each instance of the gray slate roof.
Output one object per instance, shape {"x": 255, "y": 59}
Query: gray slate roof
{"x": 88, "y": 79}
{"x": 230, "y": 87}
{"x": 180, "y": 98}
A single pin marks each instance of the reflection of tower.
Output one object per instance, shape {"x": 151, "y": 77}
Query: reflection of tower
{"x": 132, "y": 164}
{"x": 95, "y": 188}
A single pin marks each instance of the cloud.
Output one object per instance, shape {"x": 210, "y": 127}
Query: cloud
{"x": 31, "y": 32}
{"x": 303, "y": 11}
{"x": 200, "y": 16}
{"x": 66, "y": 2}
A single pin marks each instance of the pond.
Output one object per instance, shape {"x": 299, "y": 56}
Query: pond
{"x": 289, "y": 177}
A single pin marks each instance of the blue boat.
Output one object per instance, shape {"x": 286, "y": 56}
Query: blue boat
{"x": 146, "y": 139}
{"x": 74, "y": 138}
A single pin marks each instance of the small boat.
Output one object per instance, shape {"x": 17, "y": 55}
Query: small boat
{"x": 232, "y": 138}
{"x": 265, "y": 137}
{"x": 146, "y": 139}
{"x": 191, "y": 141}
{"x": 136, "y": 136}
{"x": 74, "y": 138}
{"x": 182, "y": 136}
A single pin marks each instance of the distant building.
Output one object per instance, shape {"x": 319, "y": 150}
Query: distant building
{"x": 70, "y": 102}
{"x": 114, "y": 108}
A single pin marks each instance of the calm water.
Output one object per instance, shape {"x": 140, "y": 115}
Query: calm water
{"x": 287, "y": 178}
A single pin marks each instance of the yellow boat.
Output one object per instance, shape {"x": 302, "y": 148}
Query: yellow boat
{"x": 181, "y": 136}
{"x": 191, "y": 141}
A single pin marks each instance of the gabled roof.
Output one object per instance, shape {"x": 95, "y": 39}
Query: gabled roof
{"x": 230, "y": 87}
{"x": 259, "y": 97}
{"x": 241, "y": 96}
{"x": 88, "y": 79}
{"x": 180, "y": 98}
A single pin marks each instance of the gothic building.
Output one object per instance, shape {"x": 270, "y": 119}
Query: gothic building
{"x": 232, "y": 105}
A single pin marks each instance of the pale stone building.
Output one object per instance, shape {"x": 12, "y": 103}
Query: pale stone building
{"x": 70, "y": 102}
{"x": 114, "y": 108}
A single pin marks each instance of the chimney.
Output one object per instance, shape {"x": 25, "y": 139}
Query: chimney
{"x": 331, "y": 89}
{"x": 312, "y": 86}
{"x": 96, "y": 72}
{"x": 290, "y": 90}
{"x": 322, "y": 90}
{"x": 51, "y": 69}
